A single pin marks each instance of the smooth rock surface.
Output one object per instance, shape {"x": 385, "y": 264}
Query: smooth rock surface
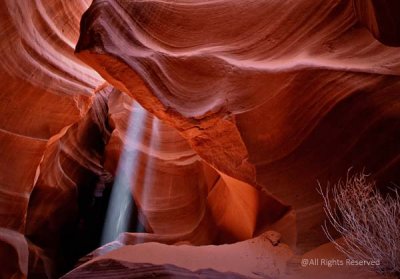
{"x": 241, "y": 107}
{"x": 278, "y": 94}
{"x": 254, "y": 258}
{"x": 108, "y": 268}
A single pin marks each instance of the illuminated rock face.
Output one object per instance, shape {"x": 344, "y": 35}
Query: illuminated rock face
{"x": 255, "y": 101}
{"x": 254, "y": 258}
{"x": 44, "y": 90}
{"x": 275, "y": 94}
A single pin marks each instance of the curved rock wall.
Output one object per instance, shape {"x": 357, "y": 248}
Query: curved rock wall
{"x": 274, "y": 93}
{"x": 248, "y": 104}
{"x": 44, "y": 89}
{"x": 179, "y": 196}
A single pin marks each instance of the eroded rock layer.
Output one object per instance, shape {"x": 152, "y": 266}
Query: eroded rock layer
{"x": 44, "y": 89}
{"x": 117, "y": 269}
{"x": 274, "y": 93}
{"x": 253, "y": 258}
{"x": 216, "y": 118}
{"x": 179, "y": 196}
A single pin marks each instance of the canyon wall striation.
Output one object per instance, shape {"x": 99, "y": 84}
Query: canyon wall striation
{"x": 218, "y": 117}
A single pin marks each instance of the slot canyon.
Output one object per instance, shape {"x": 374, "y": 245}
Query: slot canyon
{"x": 187, "y": 139}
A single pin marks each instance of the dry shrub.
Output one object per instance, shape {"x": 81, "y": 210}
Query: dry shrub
{"x": 368, "y": 221}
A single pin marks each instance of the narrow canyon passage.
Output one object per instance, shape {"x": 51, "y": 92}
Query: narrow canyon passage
{"x": 187, "y": 138}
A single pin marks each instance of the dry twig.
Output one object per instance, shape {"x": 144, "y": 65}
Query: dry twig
{"x": 368, "y": 221}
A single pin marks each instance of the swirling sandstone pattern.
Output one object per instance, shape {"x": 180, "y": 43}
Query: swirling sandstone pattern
{"x": 44, "y": 89}
{"x": 266, "y": 97}
{"x": 66, "y": 134}
{"x": 274, "y": 93}
{"x": 181, "y": 198}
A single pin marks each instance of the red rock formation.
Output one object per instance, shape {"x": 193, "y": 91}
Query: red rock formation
{"x": 14, "y": 254}
{"x": 44, "y": 90}
{"x": 380, "y": 17}
{"x": 70, "y": 168}
{"x": 247, "y": 104}
{"x": 254, "y": 258}
{"x": 278, "y": 101}
{"x": 168, "y": 182}
{"x": 109, "y": 268}
{"x": 179, "y": 196}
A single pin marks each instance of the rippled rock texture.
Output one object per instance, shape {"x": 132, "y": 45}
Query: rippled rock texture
{"x": 275, "y": 94}
{"x": 218, "y": 117}
{"x": 120, "y": 269}
{"x": 254, "y": 258}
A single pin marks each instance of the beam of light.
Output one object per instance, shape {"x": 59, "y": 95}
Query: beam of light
{"x": 120, "y": 205}
{"x": 148, "y": 181}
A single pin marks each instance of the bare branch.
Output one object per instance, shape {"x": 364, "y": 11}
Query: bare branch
{"x": 368, "y": 221}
